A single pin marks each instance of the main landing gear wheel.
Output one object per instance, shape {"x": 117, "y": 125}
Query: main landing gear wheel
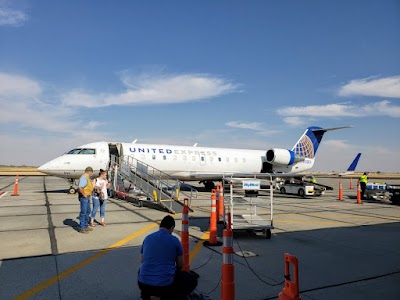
{"x": 71, "y": 190}
{"x": 209, "y": 185}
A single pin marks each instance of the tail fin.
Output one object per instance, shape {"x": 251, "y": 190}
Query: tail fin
{"x": 353, "y": 165}
{"x": 308, "y": 143}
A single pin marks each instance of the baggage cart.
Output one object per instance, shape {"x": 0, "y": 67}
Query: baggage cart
{"x": 246, "y": 194}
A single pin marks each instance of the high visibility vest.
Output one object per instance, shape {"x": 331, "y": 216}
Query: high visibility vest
{"x": 88, "y": 189}
{"x": 364, "y": 178}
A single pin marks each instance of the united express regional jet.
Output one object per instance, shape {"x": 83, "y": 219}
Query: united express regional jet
{"x": 204, "y": 164}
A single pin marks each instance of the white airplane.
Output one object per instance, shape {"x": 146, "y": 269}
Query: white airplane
{"x": 187, "y": 163}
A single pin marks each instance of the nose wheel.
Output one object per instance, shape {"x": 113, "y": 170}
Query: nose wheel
{"x": 71, "y": 190}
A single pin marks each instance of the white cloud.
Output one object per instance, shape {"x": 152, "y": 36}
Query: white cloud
{"x": 295, "y": 121}
{"x": 19, "y": 86}
{"x": 381, "y": 108}
{"x": 22, "y": 103}
{"x": 252, "y": 126}
{"x": 258, "y": 127}
{"x": 10, "y": 17}
{"x": 159, "y": 89}
{"x": 382, "y": 87}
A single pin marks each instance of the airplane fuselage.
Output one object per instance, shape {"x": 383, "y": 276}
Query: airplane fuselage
{"x": 181, "y": 162}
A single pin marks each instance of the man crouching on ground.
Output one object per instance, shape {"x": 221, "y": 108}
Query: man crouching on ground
{"x": 161, "y": 257}
{"x": 85, "y": 189}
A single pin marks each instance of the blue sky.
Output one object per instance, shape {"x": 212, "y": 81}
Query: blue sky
{"x": 241, "y": 74}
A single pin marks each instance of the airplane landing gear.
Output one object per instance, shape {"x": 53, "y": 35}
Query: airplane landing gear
{"x": 209, "y": 185}
{"x": 71, "y": 190}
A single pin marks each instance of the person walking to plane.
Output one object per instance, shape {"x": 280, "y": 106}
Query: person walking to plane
{"x": 363, "y": 184}
{"x": 161, "y": 257}
{"x": 85, "y": 189}
{"x": 100, "y": 197}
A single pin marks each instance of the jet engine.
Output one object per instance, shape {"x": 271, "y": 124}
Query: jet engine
{"x": 283, "y": 157}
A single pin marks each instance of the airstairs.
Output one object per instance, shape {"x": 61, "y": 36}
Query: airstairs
{"x": 143, "y": 185}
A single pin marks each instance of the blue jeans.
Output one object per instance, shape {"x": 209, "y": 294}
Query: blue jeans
{"x": 84, "y": 213}
{"x": 96, "y": 204}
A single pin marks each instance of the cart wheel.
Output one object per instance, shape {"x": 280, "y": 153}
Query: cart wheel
{"x": 301, "y": 193}
{"x": 268, "y": 234}
{"x": 283, "y": 190}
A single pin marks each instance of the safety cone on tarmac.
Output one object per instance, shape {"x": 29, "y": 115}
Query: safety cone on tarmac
{"x": 16, "y": 187}
{"x": 213, "y": 241}
{"x": 291, "y": 289}
{"x": 358, "y": 193}
{"x": 185, "y": 235}
{"x": 340, "y": 190}
{"x": 351, "y": 183}
{"x": 228, "y": 267}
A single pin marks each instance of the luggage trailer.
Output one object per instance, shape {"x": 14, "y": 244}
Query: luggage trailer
{"x": 243, "y": 190}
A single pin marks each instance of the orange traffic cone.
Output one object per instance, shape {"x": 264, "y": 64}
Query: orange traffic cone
{"x": 351, "y": 183}
{"x": 228, "y": 267}
{"x": 212, "y": 241}
{"x": 358, "y": 193}
{"x": 185, "y": 236}
{"x": 291, "y": 288}
{"x": 16, "y": 187}
{"x": 340, "y": 190}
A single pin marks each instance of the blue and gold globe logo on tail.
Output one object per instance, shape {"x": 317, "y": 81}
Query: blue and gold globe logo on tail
{"x": 308, "y": 144}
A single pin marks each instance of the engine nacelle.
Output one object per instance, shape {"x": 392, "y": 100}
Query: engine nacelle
{"x": 283, "y": 157}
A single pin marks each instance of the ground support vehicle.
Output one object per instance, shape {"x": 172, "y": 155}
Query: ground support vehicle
{"x": 377, "y": 191}
{"x": 383, "y": 191}
{"x": 299, "y": 187}
{"x": 395, "y": 191}
{"x": 243, "y": 209}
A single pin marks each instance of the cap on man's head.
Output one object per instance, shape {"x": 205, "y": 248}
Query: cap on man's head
{"x": 89, "y": 169}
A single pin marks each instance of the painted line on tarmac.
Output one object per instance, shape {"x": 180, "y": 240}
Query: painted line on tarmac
{"x": 80, "y": 265}
{"x": 198, "y": 246}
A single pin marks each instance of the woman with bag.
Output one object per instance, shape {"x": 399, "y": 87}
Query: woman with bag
{"x": 101, "y": 184}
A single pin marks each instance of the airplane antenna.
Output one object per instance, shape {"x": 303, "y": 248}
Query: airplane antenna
{"x": 195, "y": 145}
{"x": 134, "y": 141}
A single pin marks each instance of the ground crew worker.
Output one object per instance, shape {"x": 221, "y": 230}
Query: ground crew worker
{"x": 85, "y": 189}
{"x": 363, "y": 184}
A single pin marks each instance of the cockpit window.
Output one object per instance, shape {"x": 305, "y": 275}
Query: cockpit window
{"x": 82, "y": 151}
{"x": 88, "y": 151}
{"x": 74, "y": 151}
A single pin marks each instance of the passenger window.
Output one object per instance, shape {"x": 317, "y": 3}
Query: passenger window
{"x": 164, "y": 157}
{"x": 153, "y": 157}
{"x": 219, "y": 159}
{"x": 202, "y": 158}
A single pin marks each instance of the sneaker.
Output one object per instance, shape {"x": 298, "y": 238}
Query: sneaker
{"x": 88, "y": 229}
{"x": 83, "y": 231}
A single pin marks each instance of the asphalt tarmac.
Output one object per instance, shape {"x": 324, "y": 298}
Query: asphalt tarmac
{"x": 345, "y": 250}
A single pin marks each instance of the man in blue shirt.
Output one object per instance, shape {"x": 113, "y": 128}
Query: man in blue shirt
{"x": 161, "y": 257}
